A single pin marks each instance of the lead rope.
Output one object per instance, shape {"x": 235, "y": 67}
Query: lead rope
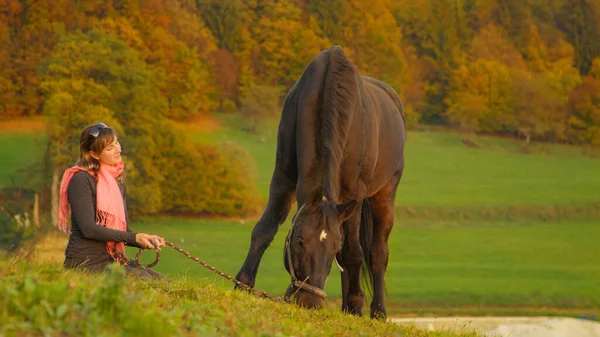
{"x": 292, "y": 289}
{"x": 172, "y": 245}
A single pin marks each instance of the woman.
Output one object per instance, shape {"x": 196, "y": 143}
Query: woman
{"x": 93, "y": 192}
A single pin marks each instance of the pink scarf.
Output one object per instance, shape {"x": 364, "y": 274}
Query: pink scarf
{"x": 110, "y": 211}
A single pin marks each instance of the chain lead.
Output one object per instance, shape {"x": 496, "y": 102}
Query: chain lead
{"x": 172, "y": 245}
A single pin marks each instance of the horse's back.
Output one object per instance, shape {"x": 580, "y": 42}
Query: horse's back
{"x": 388, "y": 109}
{"x": 372, "y": 84}
{"x": 381, "y": 134}
{"x": 374, "y": 148}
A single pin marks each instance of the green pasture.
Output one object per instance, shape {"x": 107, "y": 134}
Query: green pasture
{"x": 18, "y": 151}
{"x": 441, "y": 171}
{"x": 512, "y": 268}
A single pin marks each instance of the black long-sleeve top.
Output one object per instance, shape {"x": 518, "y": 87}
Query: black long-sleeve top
{"x": 87, "y": 241}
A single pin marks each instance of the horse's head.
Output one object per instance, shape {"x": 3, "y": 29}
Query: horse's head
{"x": 311, "y": 246}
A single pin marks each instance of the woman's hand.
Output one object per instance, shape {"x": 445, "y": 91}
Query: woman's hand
{"x": 149, "y": 241}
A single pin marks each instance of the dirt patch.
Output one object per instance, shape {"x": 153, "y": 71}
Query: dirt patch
{"x": 470, "y": 143}
{"x": 479, "y": 214}
{"x": 22, "y": 125}
{"x": 47, "y": 248}
{"x": 204, "y": 124}
{"x": 509, "y": 326}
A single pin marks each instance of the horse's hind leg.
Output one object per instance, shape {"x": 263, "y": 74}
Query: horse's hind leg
{"x": 382, "y": 206}
{"x": 280, "y": 201}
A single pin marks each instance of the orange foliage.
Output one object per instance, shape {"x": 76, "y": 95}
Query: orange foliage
{"x": 206, "y": 54}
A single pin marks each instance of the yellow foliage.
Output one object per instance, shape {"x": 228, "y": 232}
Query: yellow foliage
{"x": 372, "y": 39}
{"x": 595, "y": 71}
{"x": 285, "y": 44}
{"x": 480, "y": 95}
{"x": 493, "y": 44}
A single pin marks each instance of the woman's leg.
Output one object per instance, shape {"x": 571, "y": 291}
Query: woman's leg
{"x": 133, "y": 268}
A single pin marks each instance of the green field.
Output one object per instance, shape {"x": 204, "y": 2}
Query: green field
{"x": 441, "y": 171}
{"x": 501, "y": 267}
{"x": 18, "y": 151}
{"x": 509, "y": 263}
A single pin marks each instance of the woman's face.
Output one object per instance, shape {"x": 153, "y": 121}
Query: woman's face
{"x": 111, "y": 155}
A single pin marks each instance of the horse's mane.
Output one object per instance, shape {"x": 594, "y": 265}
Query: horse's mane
{"x": 340, "y": 90}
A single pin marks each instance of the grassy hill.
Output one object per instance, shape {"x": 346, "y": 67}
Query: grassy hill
{"x": 526, "y": 268}
{"x": 45, "y": 300}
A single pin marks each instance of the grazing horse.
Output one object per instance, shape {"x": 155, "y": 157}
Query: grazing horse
{"x": 340, "y": 150}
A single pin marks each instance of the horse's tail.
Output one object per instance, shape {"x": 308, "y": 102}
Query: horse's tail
{"x": 366, "y": 242}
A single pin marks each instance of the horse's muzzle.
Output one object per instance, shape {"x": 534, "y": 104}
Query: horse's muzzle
{"x": 308, "y": 299}
{"x": 296, "y": 286}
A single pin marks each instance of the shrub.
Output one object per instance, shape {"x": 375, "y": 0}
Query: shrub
{"x": 212, "y": 179}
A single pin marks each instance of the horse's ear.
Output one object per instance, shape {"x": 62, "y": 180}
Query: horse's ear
{"x": 344, "y": 210}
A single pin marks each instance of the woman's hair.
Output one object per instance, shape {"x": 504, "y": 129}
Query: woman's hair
{"x": 94, "y": 138}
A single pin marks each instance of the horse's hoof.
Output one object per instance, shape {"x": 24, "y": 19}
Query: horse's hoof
{"x": 245, "y": 279}
{"x": 378, "y": 315}
{"x": 354, "y": 311}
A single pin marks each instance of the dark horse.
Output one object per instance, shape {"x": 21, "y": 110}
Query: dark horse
{"x": 340, "y": 149}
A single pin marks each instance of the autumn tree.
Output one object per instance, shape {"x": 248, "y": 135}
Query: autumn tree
{"x": 375, "y": 43}
{"x": 328, "y": 15}
{"x": 183, "y": 79}
{"x": 230, "y": 21}
{"x": 480, "y": 96}
{"x": 226, "y": 70}
{"x": 584, "y": 109}
{"x": 536, "y": 106}
{"x": 7, "y": 87}
{"x": 578, "y": 20}
{"x": 92, "y": 77}
{"x": 9, "y": 22}
{"x": 413, "y": 92}
{"x": 432, "y": 27}
{"x": 285, "y": 45}
{"x": 41, "y": 23}
{"x": 226, "y": 19}
{"x": 492, "y": 43}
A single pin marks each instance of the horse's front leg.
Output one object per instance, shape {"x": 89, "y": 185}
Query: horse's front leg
{"x": 345, "y": 281}
{"x": 352, "y": 257}
{"x": 280, "y": 201}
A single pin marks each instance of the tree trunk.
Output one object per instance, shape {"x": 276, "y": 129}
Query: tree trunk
{"x": 55, "y": 197}
{"x": 36, "y": 211}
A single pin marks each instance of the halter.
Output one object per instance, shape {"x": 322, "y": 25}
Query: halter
{"x": 296, "y": 285}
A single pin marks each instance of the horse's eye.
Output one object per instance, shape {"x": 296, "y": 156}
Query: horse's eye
{"x": 300, "y": 242}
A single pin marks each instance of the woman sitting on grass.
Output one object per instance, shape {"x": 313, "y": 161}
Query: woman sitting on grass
{"x": 93, "y": 192}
